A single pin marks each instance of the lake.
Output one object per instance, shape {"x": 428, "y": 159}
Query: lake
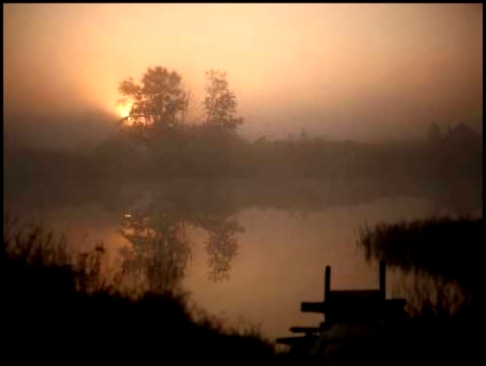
{"x": 252, "y": 251}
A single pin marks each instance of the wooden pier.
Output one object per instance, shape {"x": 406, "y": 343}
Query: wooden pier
{"x": 358, "y": 310}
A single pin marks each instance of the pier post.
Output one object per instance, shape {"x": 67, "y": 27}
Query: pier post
{"x": 383, "y": 279}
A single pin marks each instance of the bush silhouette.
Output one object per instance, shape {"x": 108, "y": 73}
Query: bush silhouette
{"x": 57, "y": 305}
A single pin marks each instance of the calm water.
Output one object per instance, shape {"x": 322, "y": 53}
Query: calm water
{"x": 262, "y": 260}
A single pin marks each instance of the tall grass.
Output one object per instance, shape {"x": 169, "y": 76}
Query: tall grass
{"x": 441, "y": 256}
{"x": 57, "y": 305}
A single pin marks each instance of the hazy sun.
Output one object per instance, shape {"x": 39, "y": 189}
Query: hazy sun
{"x": 124, "y": 110}
{"x": 124, "y": 107}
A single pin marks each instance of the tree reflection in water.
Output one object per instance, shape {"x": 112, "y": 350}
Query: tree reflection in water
{"x": 161, "y": 250}
{"x": 221, "y": 246}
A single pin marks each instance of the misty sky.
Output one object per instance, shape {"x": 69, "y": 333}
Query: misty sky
{"x": 338, "y": 70}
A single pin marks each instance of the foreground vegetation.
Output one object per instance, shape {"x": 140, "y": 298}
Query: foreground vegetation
{"x": 59, "y": 305}
{"x": 445, "y": 250}
{"x": 442, "y": 255}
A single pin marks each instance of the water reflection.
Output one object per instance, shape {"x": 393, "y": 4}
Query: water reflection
{"x": 159, "y": 252}
{"x": 160, "y": 248}
{"x": 174, "y": 229}
{"x": 221, "y": 246}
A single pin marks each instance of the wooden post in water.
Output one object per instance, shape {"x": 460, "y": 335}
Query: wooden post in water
{"x": 327, "y": 285}
{"x": 383, "y": 279}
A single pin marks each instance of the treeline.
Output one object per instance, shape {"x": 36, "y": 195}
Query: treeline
{"x": 201, "y": 152}
{"x": 156, "y": 141}
{"x": 167, "y": 146}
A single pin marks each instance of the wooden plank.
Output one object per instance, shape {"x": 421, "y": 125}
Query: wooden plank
{"x": 354, "y": 295}
{"x": 364, "y": 306}
{"x": 297, "y": 341}
{"x": 391, "y": 309}
{"x": 312, "y": 307}
{"x": 361, "y": 317}
{"x": 305, "y": 329}
{"x": 371, "y": 306}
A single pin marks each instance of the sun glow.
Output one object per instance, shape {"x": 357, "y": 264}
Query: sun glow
{"x": 124, "y": 109}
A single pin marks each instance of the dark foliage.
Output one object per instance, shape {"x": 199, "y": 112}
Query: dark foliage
{"x": 57, "y": 308}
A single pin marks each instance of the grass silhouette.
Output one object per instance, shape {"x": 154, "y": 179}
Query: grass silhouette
{"x": 58, "y": 307}
{"x": 445, "y": 248}
{"x": 441, "y": 254}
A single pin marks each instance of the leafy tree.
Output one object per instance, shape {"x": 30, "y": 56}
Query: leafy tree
{"x": 220, "y": 103}
{"x": 159, "y": 102}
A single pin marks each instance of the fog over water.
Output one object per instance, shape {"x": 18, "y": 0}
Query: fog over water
{"x": 352, "y": 115}
{"x": 338, "y": 70}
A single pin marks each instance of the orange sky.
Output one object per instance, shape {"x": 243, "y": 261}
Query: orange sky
{"x": 342, "y": 70}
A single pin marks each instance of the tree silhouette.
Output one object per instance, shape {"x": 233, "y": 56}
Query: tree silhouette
{"x": 158, "y": 103}
{"x": 220, "y": 103}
